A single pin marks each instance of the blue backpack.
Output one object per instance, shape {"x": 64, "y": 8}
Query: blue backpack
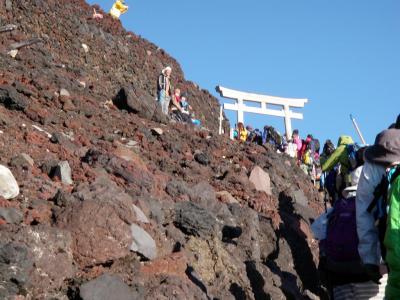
{"x": 352, "y": 150}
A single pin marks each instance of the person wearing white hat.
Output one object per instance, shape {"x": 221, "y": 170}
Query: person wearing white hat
{"x": 164, "y": 89}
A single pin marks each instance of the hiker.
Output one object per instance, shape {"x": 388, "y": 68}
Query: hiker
{"x": 186, "y": 108}
{"x": 242, "y": 132}
{"x": 164, "y": 89}
{"x": 328, "y": 179}
{"x": 235, "y": 133}
{"x": 305, "y": 157}
{"x": 392, "y": 239}
{"x": 118, "y": 9}
{"x": 250, "y": 133}
{"x": 327, "y": 151}
{"x": 273, "y": 137}
{"x": 384, "y": 153}
{"x": 291, "y": 149}
{"x": 341, "y": 156}
{"x": 176, "y": 100}
{"x": 316, "y": 168}
{"x": 340, "y": 263}
{"x": 297, "y": 140}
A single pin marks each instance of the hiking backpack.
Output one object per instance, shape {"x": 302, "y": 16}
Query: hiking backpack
{"x": 341, "y": 244}
{"x": 380, "y": 204}
{"x": 354, "y": 162}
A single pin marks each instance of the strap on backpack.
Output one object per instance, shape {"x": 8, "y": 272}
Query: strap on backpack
{"x": 382, "y": 189}
{"x": 380, "y": 192}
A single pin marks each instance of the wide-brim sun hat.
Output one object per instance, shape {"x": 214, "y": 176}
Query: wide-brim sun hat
{"x": 386, "y": 149}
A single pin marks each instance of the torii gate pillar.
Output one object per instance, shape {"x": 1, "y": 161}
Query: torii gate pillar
{"x": 263, "y": 101}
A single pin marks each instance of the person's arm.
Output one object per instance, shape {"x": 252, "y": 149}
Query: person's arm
{"x": 176, "y": 103}
{"x": 334, "y": 159}
{"x": 368, "y": 246}
{"x": 161, "y": 83}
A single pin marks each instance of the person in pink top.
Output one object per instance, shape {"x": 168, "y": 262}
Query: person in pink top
{"x": 297, "y": 140}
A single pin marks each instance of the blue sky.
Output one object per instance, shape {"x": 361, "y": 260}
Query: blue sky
{"x": 343, "y": 55}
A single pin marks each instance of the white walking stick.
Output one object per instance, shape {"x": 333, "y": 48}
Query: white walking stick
{"x": 357, "y": 129}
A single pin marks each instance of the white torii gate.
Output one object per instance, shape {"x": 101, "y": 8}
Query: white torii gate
{"x": 264, "y": 100}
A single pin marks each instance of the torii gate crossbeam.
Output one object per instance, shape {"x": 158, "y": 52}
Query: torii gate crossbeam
{"x": 264, "y": 100}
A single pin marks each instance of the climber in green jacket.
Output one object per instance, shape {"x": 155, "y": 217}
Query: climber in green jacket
{"x": 392, "y": 243}
{"x": 339, "y": 156}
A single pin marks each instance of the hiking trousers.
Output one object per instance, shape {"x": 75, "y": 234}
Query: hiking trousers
{"x": 164, "y": 101}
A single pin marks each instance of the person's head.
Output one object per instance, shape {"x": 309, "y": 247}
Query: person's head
{"x": 295, "y": 133}
{"x": 386, "y": 149}
{"x": 167, "y": 71}
{"x": 329, "y": 148}
{"x": 345, "y": 140}
{"x": 240, "y": 126}
{"x": 177, "y": 92}
{"x": 249, "y": 128}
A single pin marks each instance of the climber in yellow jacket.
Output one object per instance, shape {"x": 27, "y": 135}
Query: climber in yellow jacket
{"x": 118, "y": 9}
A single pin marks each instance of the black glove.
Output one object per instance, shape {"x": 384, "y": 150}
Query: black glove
{"x": 373, "y": 272}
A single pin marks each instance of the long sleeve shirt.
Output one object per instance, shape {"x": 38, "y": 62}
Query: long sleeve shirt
{"x": 368, "y": 247}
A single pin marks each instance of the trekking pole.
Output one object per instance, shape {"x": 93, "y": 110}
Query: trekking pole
{"x": 358, "y": 129}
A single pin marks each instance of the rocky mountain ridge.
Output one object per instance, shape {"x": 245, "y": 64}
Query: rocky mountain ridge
{"x": 117, "y": 201}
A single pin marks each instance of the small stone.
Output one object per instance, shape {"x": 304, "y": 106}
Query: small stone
{"x": 132, "y": 144}
{"x": 82, "y": 84}
{"x": 143, "y": 243}
{"x": 157, "y": 131}
{"x": 226, "y": 197}
{"x": 8, "y": 5}
{"x": 202, "y": 159}
{"x": 85, "y": 48}
{"x": 261, "y": 180}
{"x": 23, "y": 160}
{"x": 299, "y": 198}
{"x": 106, "y": 287}
{"x": 13, "y": 53}
{"x": 140, "y": 216}
{"x": 64, "y": 93}
{"x": 8, "y": 185}
{"x": 148, "y": 52}
{"x": 63, "y": 171}
{"x": 11, "y": 215}
{"x": 194, "y": 220}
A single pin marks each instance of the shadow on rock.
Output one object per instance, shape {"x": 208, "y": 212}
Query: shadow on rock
{"x": 290, "y": 230}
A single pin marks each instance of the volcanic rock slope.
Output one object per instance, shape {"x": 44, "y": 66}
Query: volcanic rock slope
{"x": 115, "y": 201}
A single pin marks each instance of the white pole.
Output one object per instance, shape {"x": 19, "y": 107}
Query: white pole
{"x": 288, "y": 122}
{"x": 357, "y": 129}
{"x": 220, "y": 120}
{"x": 240, "y": 111}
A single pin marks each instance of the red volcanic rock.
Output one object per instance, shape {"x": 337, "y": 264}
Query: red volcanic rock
{"x": 70, "y": 235}
{"x": 173, "y": 265}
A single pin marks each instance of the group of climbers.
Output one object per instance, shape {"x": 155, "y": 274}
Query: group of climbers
{"x": 268, "y": 136}
{"x": 172, "y": 102}
{"x": 360, "y": 233}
